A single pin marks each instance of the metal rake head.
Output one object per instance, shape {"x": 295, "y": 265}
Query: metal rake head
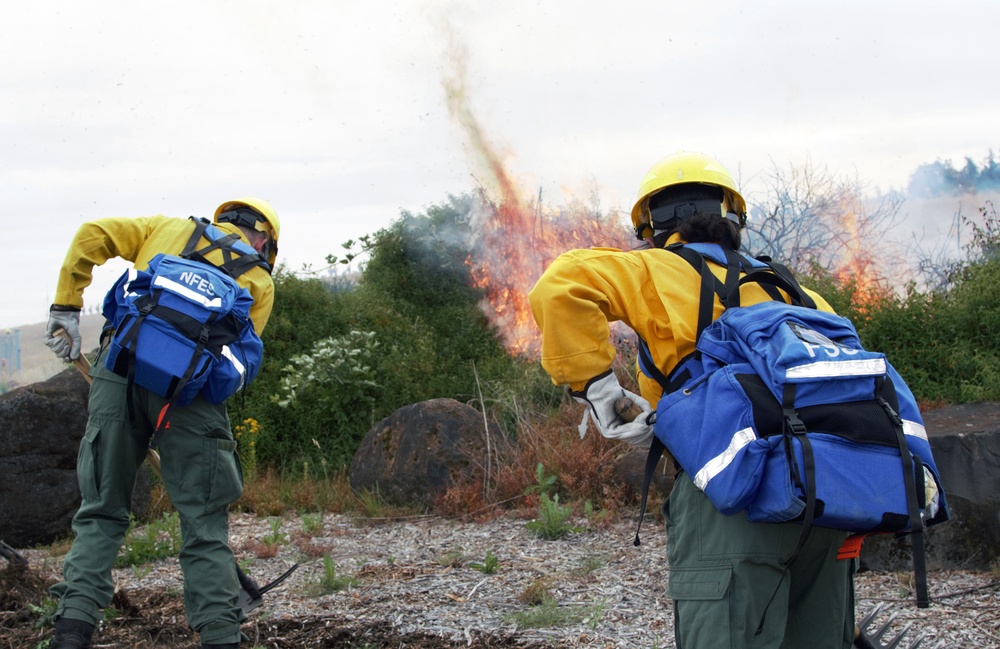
{"x": 872, "y": 638}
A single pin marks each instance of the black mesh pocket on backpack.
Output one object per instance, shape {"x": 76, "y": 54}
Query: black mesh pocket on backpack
{"x": 864, "y": 422}
{"x": 767, "y": 416}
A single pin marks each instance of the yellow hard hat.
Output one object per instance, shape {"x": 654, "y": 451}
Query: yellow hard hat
{"x": 229, "y": 211}
{"x": 685, "y": 169}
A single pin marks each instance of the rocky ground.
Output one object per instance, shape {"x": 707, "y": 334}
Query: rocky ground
{"x": 415, "y": 583}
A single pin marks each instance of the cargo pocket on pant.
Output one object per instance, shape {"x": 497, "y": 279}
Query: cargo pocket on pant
{"x": 701, "y": 605}
{"x": 224, "y": 473}
{"x": 87, "y": 464}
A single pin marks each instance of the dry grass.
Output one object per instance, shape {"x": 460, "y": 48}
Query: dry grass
{"x": 583, "y": 471}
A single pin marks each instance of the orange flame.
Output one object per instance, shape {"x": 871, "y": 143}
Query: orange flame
{"x": 858, "y": 264}
{"x": 517, "y": 238}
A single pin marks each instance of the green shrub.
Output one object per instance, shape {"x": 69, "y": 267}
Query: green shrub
{"x": 305, "y": 311}
{"x": 336, "y": 381}
{"x": 429, "y": 340}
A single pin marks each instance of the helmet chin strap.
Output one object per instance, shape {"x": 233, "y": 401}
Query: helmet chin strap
{"x": 738, "y": 219}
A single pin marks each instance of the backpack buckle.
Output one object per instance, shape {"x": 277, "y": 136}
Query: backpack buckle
{"x": 793, "y": 424}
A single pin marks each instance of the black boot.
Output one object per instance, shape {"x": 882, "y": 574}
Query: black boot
{"x": 225, "y": 645}
{"x": 72, "y": 634}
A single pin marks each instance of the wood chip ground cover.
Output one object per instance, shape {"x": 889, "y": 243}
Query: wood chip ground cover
{"x": 412, "y": 584}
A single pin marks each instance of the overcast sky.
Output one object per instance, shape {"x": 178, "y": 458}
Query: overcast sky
{"x": 336, "y": 112}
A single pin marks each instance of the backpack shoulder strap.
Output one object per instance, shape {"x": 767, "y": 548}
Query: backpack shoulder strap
{"x": 773, "y": 277}
{"x": 710, "y": 284}
{"x": 710, "y": 287}
{"x": 235, "y": 261}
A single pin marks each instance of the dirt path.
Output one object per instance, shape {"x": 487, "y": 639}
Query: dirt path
{"x": 415, "y": 584}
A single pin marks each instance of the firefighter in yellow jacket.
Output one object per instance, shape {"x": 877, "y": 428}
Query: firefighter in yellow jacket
{"x": 198, "y": 461}
{"x": 722, "y": 569}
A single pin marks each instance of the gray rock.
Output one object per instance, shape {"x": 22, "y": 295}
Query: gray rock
{"x": 416, "y": 453}
{"x": 42, "y": 425}
{"x": 965, "y": 440}
{"x": 630, "y": 468}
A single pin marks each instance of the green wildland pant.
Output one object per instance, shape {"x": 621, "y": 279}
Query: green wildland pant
{"x": 202, "y": 475}
{"x": 724, "y": 571}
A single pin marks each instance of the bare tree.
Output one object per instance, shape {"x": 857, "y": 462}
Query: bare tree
{"x": 935, "y": 263}
{"x": 806, "y": 216}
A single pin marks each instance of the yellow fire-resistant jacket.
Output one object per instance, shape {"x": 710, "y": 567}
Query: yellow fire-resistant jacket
{"x": 655, "y": 292}
{"x": 140, "y": 239}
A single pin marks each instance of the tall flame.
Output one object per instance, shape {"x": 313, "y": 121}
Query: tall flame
{"x": 516, "y": 237}
{"x": 858, "y": 264}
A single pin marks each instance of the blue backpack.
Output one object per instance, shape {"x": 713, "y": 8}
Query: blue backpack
{"x": 182, "y": 327}
{"x": 781, "y": 414}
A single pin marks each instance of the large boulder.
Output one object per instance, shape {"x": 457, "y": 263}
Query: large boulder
{"x": 413, "y": 455}
{"x": 965, "y": 440}
{"x": 630, "y": 468}
{"x": 42, "y": 426}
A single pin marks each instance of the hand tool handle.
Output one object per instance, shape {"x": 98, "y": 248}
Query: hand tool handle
{"x": 627, "y": 409}
{"x": 82, "y": 363}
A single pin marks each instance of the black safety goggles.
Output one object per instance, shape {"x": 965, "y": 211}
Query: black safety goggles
{"x": 241, "y": 216}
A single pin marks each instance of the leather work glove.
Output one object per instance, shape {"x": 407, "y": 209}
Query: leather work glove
{"x": 600, "y": 394}
{"x": 68, "y": 318}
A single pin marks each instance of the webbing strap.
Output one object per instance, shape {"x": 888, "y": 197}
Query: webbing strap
{"x": 656, "y": 449}
{"x": 650, "y": 368}
{"x": 794, "y": 428}
{"x": 911, "y": 465}
{"x": 163, "y": 421}
{"x": 234, "y": 262}
{"x": 709, "y": 285}
{"x": 130, "y": 341}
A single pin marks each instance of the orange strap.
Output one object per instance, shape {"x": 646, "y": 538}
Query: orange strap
{"x": 162, "y": 423}
{"x": 851, "y": 547}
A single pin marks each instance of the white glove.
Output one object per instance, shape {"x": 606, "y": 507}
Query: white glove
{"x": 68, "y": 318}
{"x": 600, "y": 395}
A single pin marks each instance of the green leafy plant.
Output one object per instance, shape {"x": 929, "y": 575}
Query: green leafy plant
{"x": 337, "y": 370}
{"x": 489, "y": 564}
{"x": 275, "y": 536}
{"x": 312, "y": 524}
{"x": 337, "y": 378}
{"x": 552, "y": 522}
{"x": 330, "y": 581}
{"x": 157, "y": 539}
{"x": 45, "y": 613}
{"x": 141, "y": 571}
{"x": 544, "y": 484}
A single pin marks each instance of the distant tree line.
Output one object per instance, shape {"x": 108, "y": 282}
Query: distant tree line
{"x": 942, "y": 178}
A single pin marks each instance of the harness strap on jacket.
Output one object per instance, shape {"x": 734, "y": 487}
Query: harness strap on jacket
{"x": 234, "y": 263}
